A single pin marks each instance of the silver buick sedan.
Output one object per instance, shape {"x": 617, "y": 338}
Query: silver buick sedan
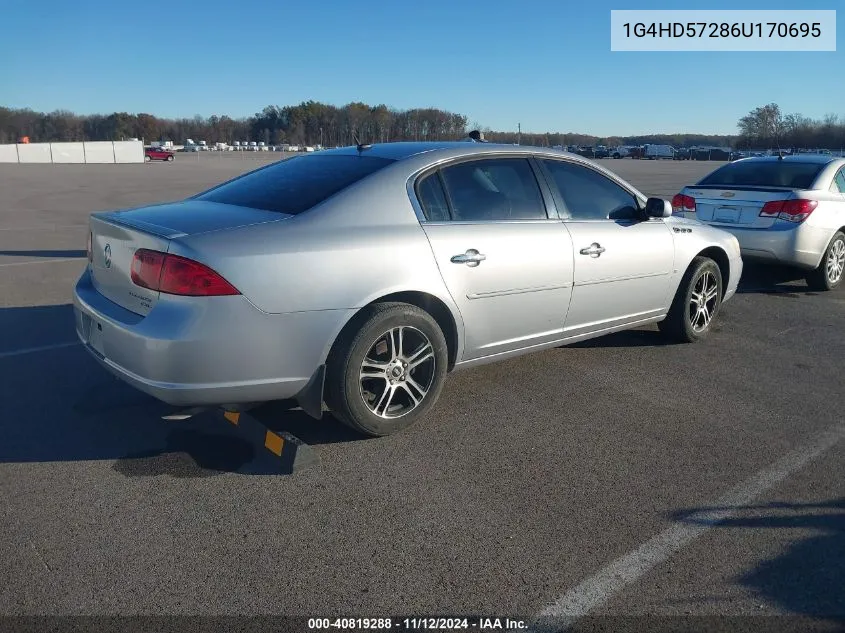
{"x": 356, "y": 279}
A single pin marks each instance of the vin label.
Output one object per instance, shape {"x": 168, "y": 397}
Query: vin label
{"x": 723, "y": 30}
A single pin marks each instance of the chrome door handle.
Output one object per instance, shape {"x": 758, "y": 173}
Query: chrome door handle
{"x": 471, "y": 258}
{"x": 593, "y": 250}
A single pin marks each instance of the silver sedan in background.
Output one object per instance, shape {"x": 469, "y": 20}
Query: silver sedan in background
{"x": 356, "y": 278}
{"x": 788, "y": 210}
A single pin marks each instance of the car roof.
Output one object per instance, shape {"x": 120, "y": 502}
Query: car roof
{"x": 819, "y": 159}
{"x": 407, "y": 149}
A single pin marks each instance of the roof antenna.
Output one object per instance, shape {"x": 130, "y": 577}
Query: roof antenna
{"x": 360, "y": 146}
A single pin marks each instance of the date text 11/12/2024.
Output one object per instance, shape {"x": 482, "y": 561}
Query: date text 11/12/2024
{"x": 417, "y": 624}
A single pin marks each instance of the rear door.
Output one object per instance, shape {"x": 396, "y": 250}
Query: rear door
{"x": 622, "y": 264}
{"x": 506, "y": 263}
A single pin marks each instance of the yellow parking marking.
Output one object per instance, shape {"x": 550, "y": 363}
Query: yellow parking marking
{"x": 274, "y": 443}
{"x": 232, "y": 417}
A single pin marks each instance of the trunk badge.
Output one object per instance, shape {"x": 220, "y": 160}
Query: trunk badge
{"x": 107, "y": 256}
{"x": 728, "y": 194}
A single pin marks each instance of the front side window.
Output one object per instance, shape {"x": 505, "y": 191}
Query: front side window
{"x": 296, "y": 184}
{"x": 494, "y": 189}
{"x": 589, "y": 195}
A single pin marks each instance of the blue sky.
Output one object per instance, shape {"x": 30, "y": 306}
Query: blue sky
{"x": 545, "y": 64}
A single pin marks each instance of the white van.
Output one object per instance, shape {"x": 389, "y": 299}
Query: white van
{"x": 654, "y": 152}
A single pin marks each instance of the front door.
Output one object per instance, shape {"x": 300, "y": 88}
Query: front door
{"x": 507, "y": 266}
{"x": 623, "y": 264}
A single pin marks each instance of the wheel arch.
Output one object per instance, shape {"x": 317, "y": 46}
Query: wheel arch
{"x": 720, "y": 256}
{"x": 439, "y": 310}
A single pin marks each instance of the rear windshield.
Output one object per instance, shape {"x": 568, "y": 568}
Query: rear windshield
{"x": 790, "y": 174}
{"x": 295, "y": 185}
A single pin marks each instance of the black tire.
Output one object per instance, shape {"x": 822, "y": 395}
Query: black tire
{"x": 169, "y": 159}
{"x": 819, "y": 279}
{"x": 147, "y": 159}
{"x": 351, "y": 398}
{"x": 680, "y": 325}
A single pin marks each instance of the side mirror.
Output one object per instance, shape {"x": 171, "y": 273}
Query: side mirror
{"x": 658, "y": 208}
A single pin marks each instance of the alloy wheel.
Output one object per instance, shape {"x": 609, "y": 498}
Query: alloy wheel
{"x": 397, "y": 372}
{"x": 703, "y": 302}
{"x": 835, "y": 261}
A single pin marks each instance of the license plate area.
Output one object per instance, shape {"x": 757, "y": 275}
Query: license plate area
{"x": 729, "y": 215}
{"x": 92, "y": 332}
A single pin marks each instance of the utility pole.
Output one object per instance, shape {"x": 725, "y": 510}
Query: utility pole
{"x": 519, "y": 134}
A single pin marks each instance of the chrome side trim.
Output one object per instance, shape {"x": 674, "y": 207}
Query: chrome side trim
{"x": 516, "y": 291}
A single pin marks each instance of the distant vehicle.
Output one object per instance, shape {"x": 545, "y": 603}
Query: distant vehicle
{"x": 501, "y": 251}
{"x": 158, "y": 153}
{"x": 682, "y": 153}
{"x": 654, "y": 152}
{"x": 601, "y": 152}
{"x": 788, "y": 210}
{"x": 622, "y": 151}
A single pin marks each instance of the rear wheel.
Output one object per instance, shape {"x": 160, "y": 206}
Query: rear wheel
{"x": 696, "y": 303}
{"x": 831, "y": 270}
{"x": 169, "y": 159}
{"x": 147, "y": 158}
{"x": 387, "y": 369}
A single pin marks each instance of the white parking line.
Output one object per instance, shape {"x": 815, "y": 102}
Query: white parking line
{"x": 45, "y": 261}
{"x": 608, "y": 582}
{"x": 33, "y": 350}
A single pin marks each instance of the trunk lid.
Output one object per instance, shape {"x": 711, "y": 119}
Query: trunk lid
{"x": 737, "y": 207}
{"x": 115, "y": 236}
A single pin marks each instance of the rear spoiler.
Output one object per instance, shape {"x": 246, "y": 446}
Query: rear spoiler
{"x": 153, "y": 229}
{"x": 742, "y": 188}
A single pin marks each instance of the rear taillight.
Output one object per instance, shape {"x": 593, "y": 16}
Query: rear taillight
{"x": 89, "y": 247}
{"x": 176, "y": 275}
{"x": 683, "y": 204}
{"x": 789, "y": 210}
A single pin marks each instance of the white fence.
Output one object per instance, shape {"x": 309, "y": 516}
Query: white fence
{"x": 99, "y": 152}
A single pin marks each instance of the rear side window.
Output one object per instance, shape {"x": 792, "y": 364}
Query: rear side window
{"x": 433, "y": 199}
{"x": 297, "y": 184}
{"x": 494, "y": 189}
{"x": 838, "y": 185}
{"x": 793, "y": 175}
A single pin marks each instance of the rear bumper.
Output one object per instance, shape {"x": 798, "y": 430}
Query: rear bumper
{"x": 801, "y": 246}
{"x": 205, "y": 351}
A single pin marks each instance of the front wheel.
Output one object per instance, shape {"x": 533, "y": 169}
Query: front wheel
{"x": 147, "y": 159}
{"x": 387, "y": 369}
{"x": 169, "y": 159}
{"x": 696, "y": 303}
{"x": 831, "y": 270}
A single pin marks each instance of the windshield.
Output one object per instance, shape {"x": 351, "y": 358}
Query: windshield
{"x": 295, "y": 185}
{"x": 794, "y": 175}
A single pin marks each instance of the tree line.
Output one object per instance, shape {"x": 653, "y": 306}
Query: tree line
{"x": 312, "y": 123}
{"x": 309, "y": 123}
{"x": 768, "y": 127}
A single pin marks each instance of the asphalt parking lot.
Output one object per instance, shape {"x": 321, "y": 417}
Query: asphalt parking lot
{"x": 617, "y": 477}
